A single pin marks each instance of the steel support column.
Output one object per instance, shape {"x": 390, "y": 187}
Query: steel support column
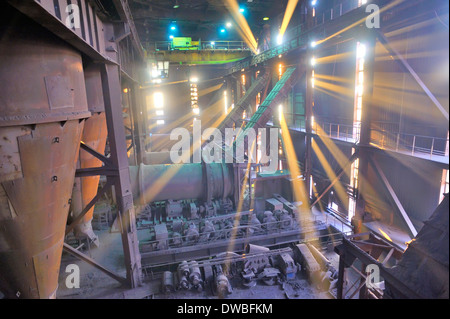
{"x": 366, "y": 119}
{"x": 116, "y": 136}
{"x": 139, "y": 115}
{"x": 309, "y": 104}
{"x": 338, "y": 176}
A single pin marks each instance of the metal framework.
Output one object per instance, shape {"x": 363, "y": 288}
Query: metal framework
{"x": 102, "y": 48}
{"x": 351, "y": 250}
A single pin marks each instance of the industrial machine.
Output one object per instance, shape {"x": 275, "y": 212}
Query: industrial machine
{"x": 42, "y": 113}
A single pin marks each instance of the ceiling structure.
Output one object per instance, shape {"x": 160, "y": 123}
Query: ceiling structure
{"x": 200, "y": 19}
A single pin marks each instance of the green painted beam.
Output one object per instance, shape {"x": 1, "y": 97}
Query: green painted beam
{"x": 200, "y": 56}
{"x": 264, "y": 112}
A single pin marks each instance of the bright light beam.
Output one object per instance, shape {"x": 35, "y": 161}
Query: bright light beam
{"x": 242, "y": 25}
{"x": 290, "y": 8}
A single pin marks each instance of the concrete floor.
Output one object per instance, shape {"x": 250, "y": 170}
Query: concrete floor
{"x": 93, "y": 282}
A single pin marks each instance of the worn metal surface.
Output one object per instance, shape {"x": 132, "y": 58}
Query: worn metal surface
{"x": 264, "y": 112}
{"x": 94, "y": 135}
{"x": 152, "y": 183}
{"x": 424, "y": 265}
{"x": 43, "y": 102}
{"x": 236, "y": 113}
{"x": 42, "y": 77}
{"x": 34, "y": 209}
{"x": 85, "y": 189}
{"x": 88, "y": 38}
{"x": 110, "y": 75}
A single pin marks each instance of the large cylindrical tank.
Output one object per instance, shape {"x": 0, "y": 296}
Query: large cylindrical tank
{"x": 42, "y": 110}
{"x": 94, "y": 135}
{"x": 155, "y": 158}
{"x": 152, "y": 183}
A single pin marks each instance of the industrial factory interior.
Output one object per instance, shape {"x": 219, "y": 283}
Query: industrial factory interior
{"x": 224, "y": 150}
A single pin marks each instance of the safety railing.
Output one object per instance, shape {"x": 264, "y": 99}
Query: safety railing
{"x": 336, "y": 11}
{"x": 418, "y": 145}
{"x": 410, "y": 143}
{"x": 348, "y": 133}
{"x": 344, "y": 132}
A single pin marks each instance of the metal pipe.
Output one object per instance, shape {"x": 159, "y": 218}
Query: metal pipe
{"x": 152, "y": 183}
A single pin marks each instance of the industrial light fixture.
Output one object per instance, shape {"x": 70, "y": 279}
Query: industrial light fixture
{"x": 279, "y": 39}
{"x": 241, "y": 10}
{"x": 314, "y": 2}
{"x": 229, "y": 25}
{"x": 193, "y": 80}
{"x": 222, "y": 30}
{"x": 313, "y": 44}
{"x": 313, "y": 61}
{"x": 171, "y": 37}
{"x": 266, "y": 18}
{"x": 160, "y": 122}
{"x": 176, "y": 5}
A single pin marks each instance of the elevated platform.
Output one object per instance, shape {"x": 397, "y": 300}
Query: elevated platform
{"x": 200, "y": 56}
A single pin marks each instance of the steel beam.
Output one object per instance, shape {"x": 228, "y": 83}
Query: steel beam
{"x": 205, "y": 57}
{"x": 96, "y": 171}
{"x": 264, "y": 112}
{"x": 125, "y": 14}
{"x": 394, "y": 197}
{"x": 40, "y": 12}
{"x": 94, "y": 153}
{"x": 236, "y": 114}
{"x": 404, "y": 63}
{"x": 338, "y": 176}
{"x": 349, "y": 251}
{"x": 116, "y": 134}
{"x": 92, "y": 262}
{"x": 88, "y": 207}
{"x": 309, "y": 113}
{"x": 367, "y": 111}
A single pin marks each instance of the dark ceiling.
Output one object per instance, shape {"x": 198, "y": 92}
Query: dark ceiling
{"x": 199, "y": 19}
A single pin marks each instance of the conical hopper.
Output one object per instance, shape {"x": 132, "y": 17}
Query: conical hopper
{"x": 42, "y": 111}
{"x": 94, "y": 135}
{"x": 85, "y": 189}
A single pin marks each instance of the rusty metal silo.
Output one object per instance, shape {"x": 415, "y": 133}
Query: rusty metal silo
{"x": 94, "y": 135}
{"x": 42, "y": 110}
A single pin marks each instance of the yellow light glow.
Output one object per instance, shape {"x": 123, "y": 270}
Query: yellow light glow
{"x": 241, "y": 24}
{"x": 384, "y": 234}
{"x": 158, "y": 100}
{"x": 290, "y": 8}
{"x": 225, "y": 98}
